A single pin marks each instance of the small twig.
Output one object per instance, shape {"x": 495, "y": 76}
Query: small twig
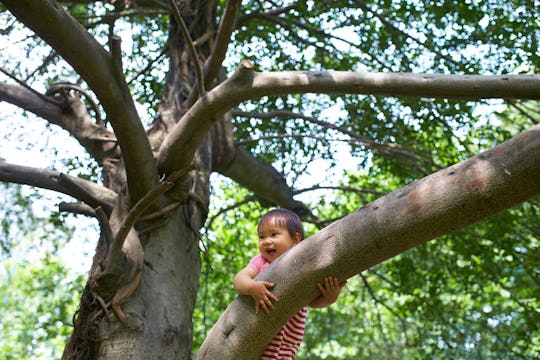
{"x": 388, "y": 149}
{"x": 77, "y": 208}
{"x": 392, "y": 311}
{"x": 342, "y": 188}
{"x": 185, "y": 33}
{"x": 161, "y": 212}
{"x": 228, "y": 208}
{"x": 153, "y": 226}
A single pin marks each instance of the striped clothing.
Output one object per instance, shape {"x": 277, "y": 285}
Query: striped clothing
{"x": 287, "y": 341}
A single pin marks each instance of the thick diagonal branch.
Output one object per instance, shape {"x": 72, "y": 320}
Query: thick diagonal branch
{"x": 435, "y": 205}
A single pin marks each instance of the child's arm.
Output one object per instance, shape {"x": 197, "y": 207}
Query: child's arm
{"x": 329, "y": 292}
{"x": 244, "y": 284}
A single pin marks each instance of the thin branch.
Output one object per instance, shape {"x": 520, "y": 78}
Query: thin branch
{"x": 81, "y": 189}
{"x": 388, "y": 149}
{"x": 149, "y": 65}
{"x": 194, "y": 57}
{"x": 384, "y": 278}
{"x": 523, "y": 112}
{"x": 274, "y": 12}
{"x": 222, "y": 40}
{"x": 273, "y": 16}
{"x": 341, "y": 188}
{"x": 223, "y": 210}
{"x": 57, "y": 87}
{"x": 383, "y": 304}
{"x": 77, "y": 208}
{"x": 46, "y": 62}
{"x": 104, "y": 225}
{"x": 29, "y": 88}
{"x": 392, "y": 28}
{"x": 278, "y": 21}
{"x": 161, "y": 212}
{"x": 82, "y": 193}
{"x": 283, "y": 136}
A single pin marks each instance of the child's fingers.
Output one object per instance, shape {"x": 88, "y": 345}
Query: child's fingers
{"x": 331, "y": 283}
{"x": 322, "y": 289}
{"x": 267, "y": 305}
{"x": 272, "y": 296}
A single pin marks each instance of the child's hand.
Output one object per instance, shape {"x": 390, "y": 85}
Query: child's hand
{"x": 331, "y": 289}
{"x": 262, "y": 296}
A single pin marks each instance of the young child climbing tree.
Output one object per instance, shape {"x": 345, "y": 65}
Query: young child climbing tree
{"x": 279, "y": 230}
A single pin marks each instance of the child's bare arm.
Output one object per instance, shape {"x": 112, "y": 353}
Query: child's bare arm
{"x": 329, "y": 292}
{"x": 244, "y": 284}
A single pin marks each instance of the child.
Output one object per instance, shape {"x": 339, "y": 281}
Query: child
{"x": 279, "y": 230}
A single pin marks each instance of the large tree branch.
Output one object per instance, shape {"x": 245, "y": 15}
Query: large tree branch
{"x": 179, "y": 147}
{"x": 101, "y": 70}
{"x": 263, "y": 180}
{"x": 438, "y": 204}
{"x": 80, "y": 189}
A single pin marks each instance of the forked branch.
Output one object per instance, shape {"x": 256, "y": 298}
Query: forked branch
{"x": 143, "y": 204}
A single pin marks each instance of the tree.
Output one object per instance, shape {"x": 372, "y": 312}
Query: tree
{"x": 154, "y": 193}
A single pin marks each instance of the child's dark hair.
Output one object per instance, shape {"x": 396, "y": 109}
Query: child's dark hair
{"x": 284, "y": 218}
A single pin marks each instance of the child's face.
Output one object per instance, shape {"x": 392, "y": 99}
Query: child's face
{"x": 275, "y": 240}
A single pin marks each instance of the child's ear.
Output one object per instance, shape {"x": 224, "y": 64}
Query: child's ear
{"x": 297, "y": 238}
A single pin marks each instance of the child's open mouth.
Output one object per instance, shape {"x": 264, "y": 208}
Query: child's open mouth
{"x": 270, "y": 251}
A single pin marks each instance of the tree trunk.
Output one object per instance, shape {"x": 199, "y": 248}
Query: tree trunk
{"x": 161, "y": 308}
{"x": 438, "y": 204}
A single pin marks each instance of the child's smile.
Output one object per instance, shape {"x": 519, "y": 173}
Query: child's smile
{"x": 274, "y": 241}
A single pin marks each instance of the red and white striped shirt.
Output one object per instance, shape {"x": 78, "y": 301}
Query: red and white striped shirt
{"x": 286, "y": 342}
